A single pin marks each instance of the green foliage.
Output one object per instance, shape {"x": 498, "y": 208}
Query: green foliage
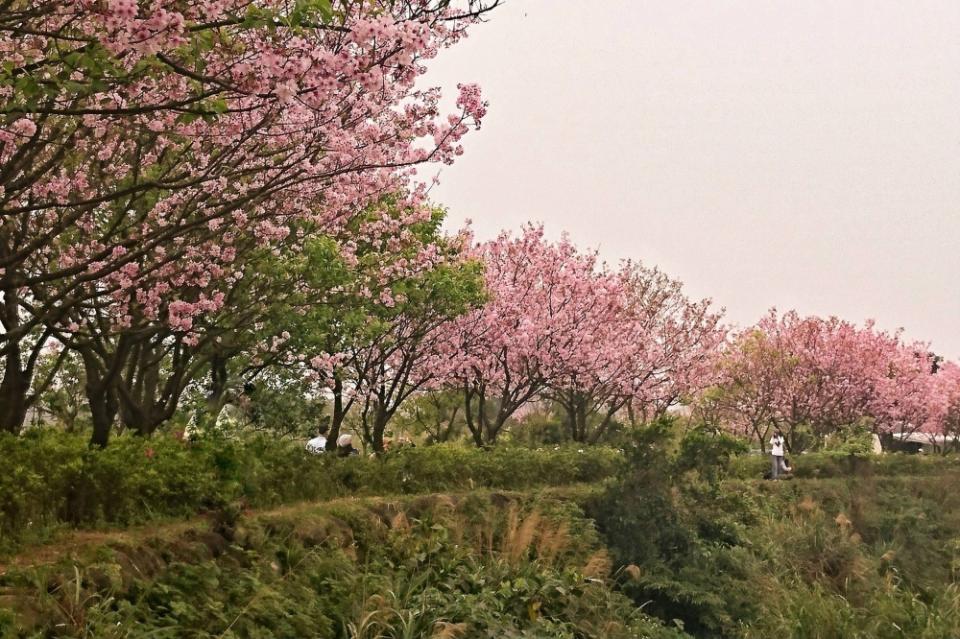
{"x": 63, "y": 402}
{"x": 489, "y": 565}
{"x": 286, "y": 405}
{"x": 539, "y": 428}
{"x": 454, "y": 466}
{"x": 858, "y": 557}
{"x": 854, "y": 440}
{"x": 667, "y": 519}
{"x": 55, "y": 479}
{"x": 864, "y": 550}
{"x": 708, "y": 452}
{"x": 436, "y": 416}
{"x": 826, "y": 464}
{"x": 854, "y": 547}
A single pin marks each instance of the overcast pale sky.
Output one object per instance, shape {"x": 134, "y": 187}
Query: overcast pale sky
{"x": 793, "y": 154}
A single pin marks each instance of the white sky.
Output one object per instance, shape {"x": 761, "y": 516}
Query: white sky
{"x": 780, "y": 153}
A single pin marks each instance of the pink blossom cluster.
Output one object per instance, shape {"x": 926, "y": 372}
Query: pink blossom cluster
{"x": 131, "y": 183}
{"x": 816, "y": 375}
{"x": 560, "y": 324}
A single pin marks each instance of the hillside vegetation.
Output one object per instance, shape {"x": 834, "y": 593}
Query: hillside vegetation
{"x": 666, "y": 539}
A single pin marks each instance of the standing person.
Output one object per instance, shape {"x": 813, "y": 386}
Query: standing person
{"x": 776, "y": 452}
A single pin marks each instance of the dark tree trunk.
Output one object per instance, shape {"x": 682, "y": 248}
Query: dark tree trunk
{"x": 494, "y": 428}
{"x": 578, "y": 410}
{"x": 101, "y": 390}
{"x": 484, "y": 427}
{"x": 339, "y": 413}
{"x": 103, "y": 411}
{"x": 474, "y": 426}
{"x": 378, "y": 427}
{"x": 15, "y": 397}
{"x": 580, "y": 416}
{"x": 571, "y": 412}
{"x": 13, "y": 394}
{"x": 218, "y": 377}
{"x": 150, "y": 388}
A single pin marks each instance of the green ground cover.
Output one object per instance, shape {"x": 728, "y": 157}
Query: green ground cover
{"x": 673, "y": 537}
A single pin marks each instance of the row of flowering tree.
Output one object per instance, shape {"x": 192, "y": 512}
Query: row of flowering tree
{"x": 372, "y": 318}
{"x": 559, "y": 326}
{"x": 150, "y": 152}
{"x": 810, "y": 377}
{"x": 194, "y": 192}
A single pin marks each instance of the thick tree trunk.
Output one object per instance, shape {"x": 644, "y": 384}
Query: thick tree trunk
{"x": 145, "y": 403}
{"x": 494, "y": 428}
{"x": 576, "y": 408}
{"x": 581, "y": 416}
{"x": 103, "y": 410}
{"x": 15, "y": 387}
{"x": 218, "y": 378}
{"x": 485, "y": 428}
{"x": 571, "y": 412}
{"x": 380, "y": 419}
{"x": 14, "y": 390}
{"x": 143, "y": 420}
{"x": 101, "y": 397}
{"x": 468, "y": 418}
{"x": 475, "y": 426}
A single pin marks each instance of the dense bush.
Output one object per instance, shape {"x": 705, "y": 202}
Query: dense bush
{"x": 450, "y": 466}
{"x": 858, "y": 547}
{"x": 865, "y": 557}
{"x": 673, "y": 529}
{"x": 54, "y": 478}
{"x": 497, "y": 565}
{"x": 861, "y": 547}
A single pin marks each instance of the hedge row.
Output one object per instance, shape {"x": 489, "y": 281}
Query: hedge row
{"x": 817, "y": 465}
{"x": 52, "y": 479}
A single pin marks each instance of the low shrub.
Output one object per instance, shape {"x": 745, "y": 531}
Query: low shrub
{"x": 831, "y": 464}
{"x": 451, "y": 466}
{"x": 675, "y": 531}
{"x": 54, "y": 479}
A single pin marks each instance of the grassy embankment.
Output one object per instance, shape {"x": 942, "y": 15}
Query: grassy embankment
{"x": 475, "y": 544}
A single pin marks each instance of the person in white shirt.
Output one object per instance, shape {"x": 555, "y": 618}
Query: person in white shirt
{"x": 776, "y": 452}
{"x": 318, "y": 444}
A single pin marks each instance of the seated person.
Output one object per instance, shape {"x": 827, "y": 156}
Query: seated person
{"x": 345, "y": 446}
{"x": 318, "y": 444}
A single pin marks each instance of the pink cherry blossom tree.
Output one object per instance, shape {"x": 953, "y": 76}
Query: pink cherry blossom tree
{"x": 917, "y": 394}
{"x": 545, "y": 300}
{"x": 140, "y": 142}
{"x": 945, "y": 428}
{"x": 805, "y": 375}
{"x": 400, "y": 349}
{"x": 648, "y": 347}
